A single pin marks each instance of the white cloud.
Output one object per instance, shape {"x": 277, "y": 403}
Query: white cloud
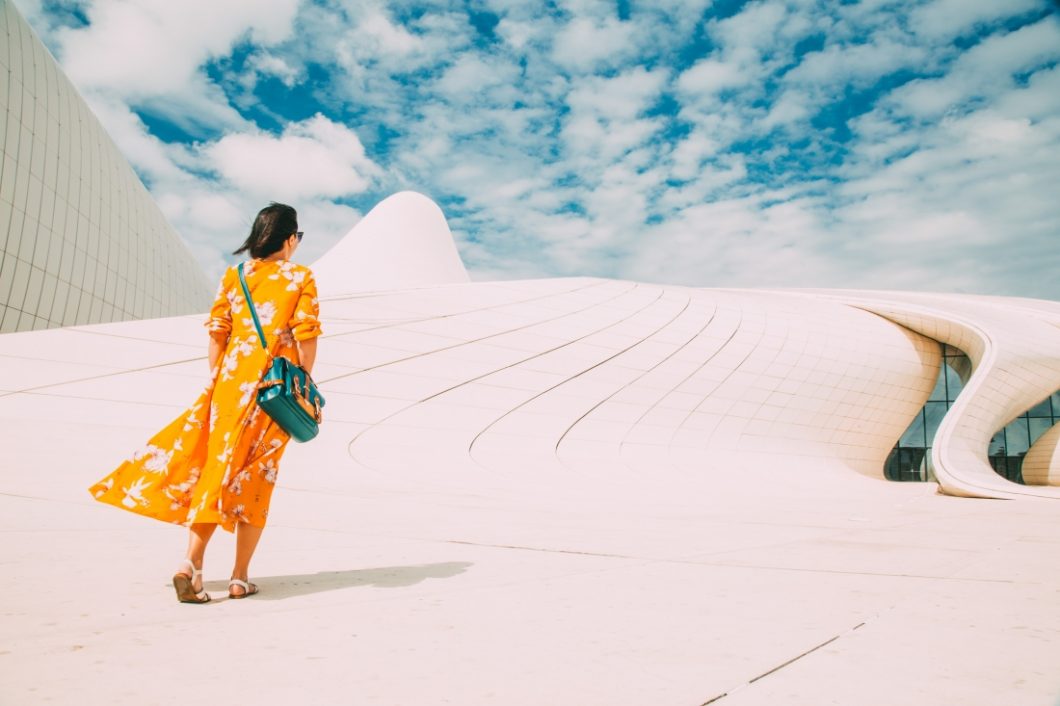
{"x": 623, "y": 96}
{"x": 689, "y": 153}
{"x": 737, "y": 242}
{"x": 522, "y": 34}
{"x": 857, "y": 63}
{"x": 381, "y": 36}
{"x": 546, "y": 144}
{"x": 585, "y": 44}
{"x": 155, "y": 47}
{"x": 711, "y": 76}
{"x": 472, "y": 74}
{"x": 149, "y": 53}
{"x": 945, "y": 19}
{"x": 755, "y": 28}
{"x": 983, "y": 70}
{"x": 313, "y": 158}
{"x": 371, "y": 45}
{"x": 604, "y": 121}
{"x": 273, "y": 65}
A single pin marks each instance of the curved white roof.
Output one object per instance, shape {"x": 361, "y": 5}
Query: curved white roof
{"x": 403, "y": 242}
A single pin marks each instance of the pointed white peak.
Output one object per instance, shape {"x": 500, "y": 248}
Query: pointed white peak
{"x": 403, "y": 242}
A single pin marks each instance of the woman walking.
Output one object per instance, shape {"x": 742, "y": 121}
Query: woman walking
{"x": 216, "y": 464}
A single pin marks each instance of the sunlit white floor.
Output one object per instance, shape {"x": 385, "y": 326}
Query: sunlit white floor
{"x": 458, "y": 535}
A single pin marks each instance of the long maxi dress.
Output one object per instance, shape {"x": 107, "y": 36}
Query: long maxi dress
{"x": 217, "y": 462}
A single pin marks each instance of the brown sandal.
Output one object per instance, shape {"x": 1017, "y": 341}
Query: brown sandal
{"x": 185, "y": 586}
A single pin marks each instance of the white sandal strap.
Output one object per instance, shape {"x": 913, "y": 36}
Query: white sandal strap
{"x": 242, "y": 584}
{"x": 194, "y": 572}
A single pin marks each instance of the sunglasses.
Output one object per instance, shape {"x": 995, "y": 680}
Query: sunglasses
{"x": 299, "y": 234}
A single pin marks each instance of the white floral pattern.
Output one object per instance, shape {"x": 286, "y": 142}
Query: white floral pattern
{"x": 266, "y": 313}
{"x": 236, "y": 486}
{"x": 153, "y": 459}
{"x": 294, "y": 275}
{"x": 218, "y": 462}
{"x": 193, "y": 421}
{"x": 134, "y": 493}
{"x": 269, "y": 470}
{"x": 247, "y": 388}
{"x": 226, "y": 453}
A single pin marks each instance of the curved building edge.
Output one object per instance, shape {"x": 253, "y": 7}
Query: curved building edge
{"x": 403, "y": 242}
{"x": 81, "y": 239}
{"x": 1013, "y": 346}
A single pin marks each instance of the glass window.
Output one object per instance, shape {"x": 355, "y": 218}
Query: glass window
{"x": 1041, "y": 409}
{"x": 914, "y": 435}
{"x": 953, "y": 383}
{"x": 933, "y": 413}
{"x": 939, "y": 393}
{"x": 1016, "y": 437}
{"x": 997, "y": 444}
{"x": 1005, "y": 451}
{"x": 1038, "y": 427}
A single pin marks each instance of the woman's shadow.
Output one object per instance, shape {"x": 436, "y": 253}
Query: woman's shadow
{"x": 278, "y": 587}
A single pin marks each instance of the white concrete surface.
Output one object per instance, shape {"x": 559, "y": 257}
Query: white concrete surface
{"x": 544, "y": 492}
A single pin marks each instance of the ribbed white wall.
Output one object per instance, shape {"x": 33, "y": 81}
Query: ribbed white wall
{"x": 1014, "y": 348}
{"x": 1041, "y": 465}
{"x": 81, "y": 240}
{"x": 615, "y": 378}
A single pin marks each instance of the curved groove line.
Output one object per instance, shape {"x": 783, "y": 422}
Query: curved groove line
{"x": 719, "y": 349}
{"x": 446, "y": 316}
{"x": 739, "y": 365}
{"x": 654, "y": 367}
{"x": 471, "y": 446}
{"x": 378, "y": 423}
{"x": 625, "y": 350}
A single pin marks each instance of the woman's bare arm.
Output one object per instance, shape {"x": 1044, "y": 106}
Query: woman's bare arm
{"x": 307, "y": 353}
{"x": 217, "y": 349}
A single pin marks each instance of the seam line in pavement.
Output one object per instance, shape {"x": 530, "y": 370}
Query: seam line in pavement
{"x": 725, "y": 566}
{"x": 777, "y": 668}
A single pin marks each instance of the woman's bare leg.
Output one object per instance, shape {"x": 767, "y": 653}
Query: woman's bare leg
{"x": 198, "y": 537}
{"x": 247, "y": 537}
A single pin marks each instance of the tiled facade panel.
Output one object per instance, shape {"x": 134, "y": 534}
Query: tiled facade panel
{"x": 619, "y": 378}
{"x": 81, "y": 240}
{"x": 1014, "y": 348}
{"x": 1041, "y": 466}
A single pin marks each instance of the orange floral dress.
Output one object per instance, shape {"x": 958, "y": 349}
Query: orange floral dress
{"x": 217, "y": 462}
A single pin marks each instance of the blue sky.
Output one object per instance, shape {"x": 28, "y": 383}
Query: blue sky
{"x": 893, "y": 144}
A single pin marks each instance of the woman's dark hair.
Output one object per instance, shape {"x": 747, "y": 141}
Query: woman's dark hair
{"x": 274, "y": 225}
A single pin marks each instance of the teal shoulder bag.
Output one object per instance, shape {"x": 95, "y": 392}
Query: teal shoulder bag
{"x": 286, "y": 393}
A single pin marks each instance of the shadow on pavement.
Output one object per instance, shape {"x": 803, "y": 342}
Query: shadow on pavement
{"x": 279, "y": 587}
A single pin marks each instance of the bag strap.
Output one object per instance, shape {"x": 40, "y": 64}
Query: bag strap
{"x": 253, "y": 309}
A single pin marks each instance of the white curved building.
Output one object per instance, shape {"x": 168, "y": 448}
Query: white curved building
{"x": 574, "y": 477}
{"x": 81, "y": 240}
{"x": 652, "y": 494}
{"x": 574, "y": 491}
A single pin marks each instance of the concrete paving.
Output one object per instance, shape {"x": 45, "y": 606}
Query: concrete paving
{"x": 399, "y": 574}
{"x": 535, "y": 593}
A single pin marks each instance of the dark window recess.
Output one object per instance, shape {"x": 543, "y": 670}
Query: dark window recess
{"x": 910, "y": 460}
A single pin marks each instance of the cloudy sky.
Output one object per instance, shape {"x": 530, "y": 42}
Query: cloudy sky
{"x": 906, "y": 144}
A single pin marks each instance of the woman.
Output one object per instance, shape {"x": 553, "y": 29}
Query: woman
{"x": 216, "y": 464}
